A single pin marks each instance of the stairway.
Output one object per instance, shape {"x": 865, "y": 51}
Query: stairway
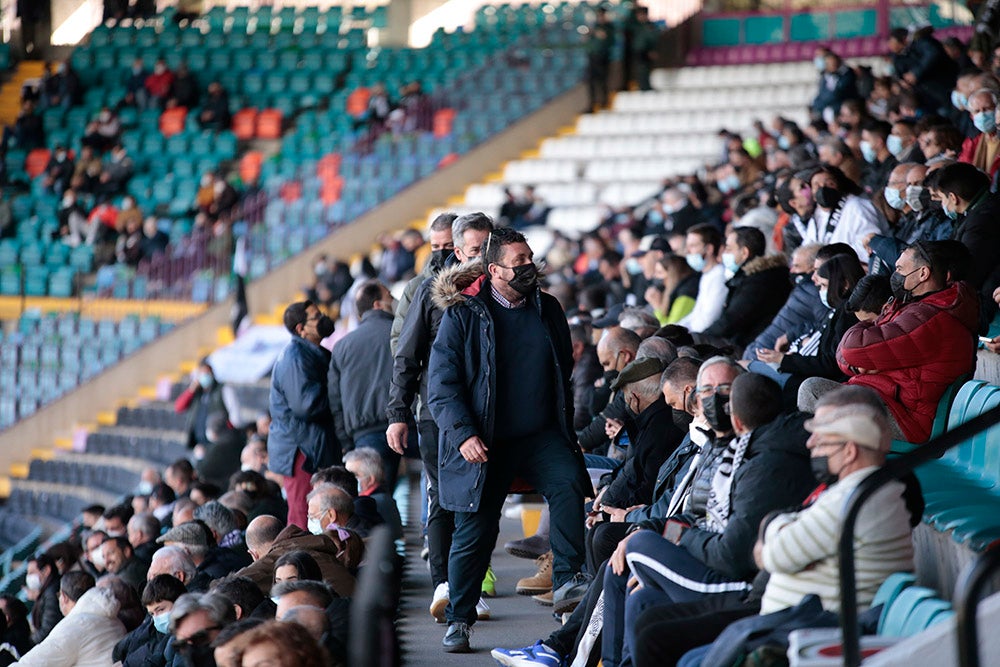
{"x": 10, "y": 93}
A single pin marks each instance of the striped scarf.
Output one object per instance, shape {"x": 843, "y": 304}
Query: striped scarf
{"x": 718, "y": 506}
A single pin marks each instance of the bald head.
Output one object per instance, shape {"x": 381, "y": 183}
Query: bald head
{"x": 261, "y": 533}
{"x": 617, "y": 347}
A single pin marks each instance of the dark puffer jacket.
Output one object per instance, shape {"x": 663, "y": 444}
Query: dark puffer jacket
{"x": 911, "y": 353}
{"x": 756, "y": 294}
{"x": 802, "y": 313}
{"x": 462, "y": 382}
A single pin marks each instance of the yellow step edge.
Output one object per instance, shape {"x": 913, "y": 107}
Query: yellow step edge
{"x": 107, "y": 418}
{"x": 19, "y": 470}
{"x": 187, "y": 367}
{"x": 89, "y": 427}
{"x": 266, "y": 320}
{"x": 224, "y": 336}
{"x": 457, "y": 200}
{"x": 530, "y": 154}
{"x": 64, "y": 443}
{"x": 43, "y": 454}
{"x": 148, "y": 393}
{"x": 494, "y": 177}
{"x": 4, "y": 487}
{"x": 567, "y": 130}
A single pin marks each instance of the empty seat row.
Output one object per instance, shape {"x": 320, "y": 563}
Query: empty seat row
{"x": 681, "y": 122}
{"x": 750, "y": 97}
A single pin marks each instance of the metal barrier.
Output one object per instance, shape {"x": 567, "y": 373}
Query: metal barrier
{"x": 893, "y": 469}
{"x": 968, "y": 592}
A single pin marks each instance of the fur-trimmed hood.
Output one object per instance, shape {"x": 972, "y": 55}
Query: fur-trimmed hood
{"x": 455, "y": 283}
{"x": 759, "y": 264}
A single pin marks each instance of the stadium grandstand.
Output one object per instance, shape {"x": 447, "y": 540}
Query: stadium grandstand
{"x": 675, "y": 324}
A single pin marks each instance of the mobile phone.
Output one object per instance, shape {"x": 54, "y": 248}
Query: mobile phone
{"x": 985, "y": 339}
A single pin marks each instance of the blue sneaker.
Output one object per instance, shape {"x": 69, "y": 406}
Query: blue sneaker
{"x": 536, "y": 654}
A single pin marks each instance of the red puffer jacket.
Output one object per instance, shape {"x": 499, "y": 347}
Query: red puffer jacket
{"x": 916, "y": 351}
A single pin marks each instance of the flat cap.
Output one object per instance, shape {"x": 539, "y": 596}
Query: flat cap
{"x": 640, "y": 369}
{"x": 186, "y": 533}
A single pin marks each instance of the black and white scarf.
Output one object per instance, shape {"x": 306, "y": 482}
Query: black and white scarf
{"x": 718, "y": 506}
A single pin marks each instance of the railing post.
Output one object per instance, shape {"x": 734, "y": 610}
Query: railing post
{"x": 968, "y": 591}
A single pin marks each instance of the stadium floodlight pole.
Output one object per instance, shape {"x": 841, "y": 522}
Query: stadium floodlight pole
{"x": 893, "y": 469}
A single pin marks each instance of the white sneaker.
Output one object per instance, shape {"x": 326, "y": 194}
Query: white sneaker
{"x": 482, "y": 610}
{"x": 440, "y": 602}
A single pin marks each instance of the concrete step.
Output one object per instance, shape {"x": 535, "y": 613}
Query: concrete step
{"x": 10, "y": 93}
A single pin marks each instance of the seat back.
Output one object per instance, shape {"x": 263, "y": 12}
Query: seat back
{"x": 894, "y": 615}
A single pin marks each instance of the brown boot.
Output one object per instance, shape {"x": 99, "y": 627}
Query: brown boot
{"x": 545, "y": 599}
{"x": 541, "y": 581}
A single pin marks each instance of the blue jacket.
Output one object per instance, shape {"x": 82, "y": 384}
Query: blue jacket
{"x": 462, "y": 379}
{"x": 798, "y": 316}
{"x": 300, "y": 410}
{"x": 845, "y": 87}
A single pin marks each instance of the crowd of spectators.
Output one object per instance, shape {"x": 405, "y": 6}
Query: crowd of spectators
{"x": 199, "y": 566}
{"x": 749, "y": 341}
{"x": 95, "y": 207}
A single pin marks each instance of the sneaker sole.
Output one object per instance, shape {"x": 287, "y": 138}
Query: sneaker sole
{"x": 483, "y": 616}
{"x": 524, "y": 553}
{"x": 566, "y": 606}
{"x": 532, "y": 590}
{"x": 544, "y": 603}
{"x": 437, "y": 609}
{"x": 506, "y": 660}
{"x": 462, "y": 648}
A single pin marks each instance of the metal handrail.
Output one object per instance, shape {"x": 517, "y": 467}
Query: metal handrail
{"x": 893, "y": 469}
{"x": 968, "y": 592}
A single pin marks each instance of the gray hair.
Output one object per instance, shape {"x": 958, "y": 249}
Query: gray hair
{"x": 219, "y": 609}
{"x": 217, "y": 517}
{"x": 333, "y": 498}
{"x": 320, "y": 591}
{"x": 850, "y": 394}
{"x": 369, "y": 462}
{"x": 311, "y": 618}
{"x": 177, "y": 559}
{"x": 657, "y": 348}
{"x": 636, "y": 319}
{"x": 443, "y": 222}
{"x": 648, "y": 388}
{"x": 479, "y": 222}
{"x": 146, "y": 524}
{"x": 985, "y": 91}
{"x": 719, "y": 359}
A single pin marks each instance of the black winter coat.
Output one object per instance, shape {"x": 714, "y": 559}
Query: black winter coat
{"x": 756, "y": 294}
{"x": 413, "y": 351}
{"x": 656, "y": 438}
{"x": 461, "y": 387}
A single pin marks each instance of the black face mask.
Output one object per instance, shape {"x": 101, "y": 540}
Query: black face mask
{"x": 198, "y": 656}
{"x": 324, "y": 327}
{"x": 610, "y": 377}
{"x": 438, "y": 258}
{"x": 657, "y": 283}
{"x": 715, "y": 410}
{"x": 927, "y": 202}
{"x": 821, "y": 470}
{"x": 828, "y": 197}
{"x": 896, "y": 283}
{"x": 525, "y": 279}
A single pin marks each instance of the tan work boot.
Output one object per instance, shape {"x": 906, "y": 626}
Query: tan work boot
{"x": 541, "y": 581}
{"x": 545, "y": 599}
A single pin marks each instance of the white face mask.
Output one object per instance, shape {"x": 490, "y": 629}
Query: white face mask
{"x": 97, "y": 558}
{"x": 315, "y": 527}
{"x": 33, "y": 581}
{"x": 698, "y": 436}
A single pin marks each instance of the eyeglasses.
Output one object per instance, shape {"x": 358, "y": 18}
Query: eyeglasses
{"x": 200, "y": 638}
{"x": 707, "y": 390}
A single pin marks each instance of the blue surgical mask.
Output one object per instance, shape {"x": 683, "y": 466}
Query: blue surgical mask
{"x": 985, "y": 121}
{"x": 868, "y": 152}
{"x": 144, "y": 488}
{"x": 729, "y": 262}
{"x": 819, "y": 62}
{"x": 895, "y": 145}
{"x": 783, "y": 143}
{"x": 275, "y": 598}
{"x": 695, "y": 261}
{"x": 654, "y": 217}
{"x": 952, "y": 213}
{"x": 632, "y": 266}
{"x": 823, "y": 294}
{"x": 894, "y": 199}
{"x": 729, "y": 184}
{"x": 162, "y": 622}
{"x": 958, "y": 100}
{"x": 205, "y": 380}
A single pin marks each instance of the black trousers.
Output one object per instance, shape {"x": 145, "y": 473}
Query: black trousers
{"x": 602, "y": 540}
{"x": 440, "y": 522}
{"x": 663, "y": 634}
{"x": 548, "y": 463}
{"x": 597, "y": 81}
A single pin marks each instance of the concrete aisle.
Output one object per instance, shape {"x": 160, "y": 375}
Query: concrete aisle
{"x": 516, "y": 620}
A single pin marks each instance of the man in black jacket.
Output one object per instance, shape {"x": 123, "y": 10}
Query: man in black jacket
{"x": 409, "y": 382}
{"x": 360, "y": 373}
{"x": 757, "y": 291}
{"x": 499, "y": 389}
